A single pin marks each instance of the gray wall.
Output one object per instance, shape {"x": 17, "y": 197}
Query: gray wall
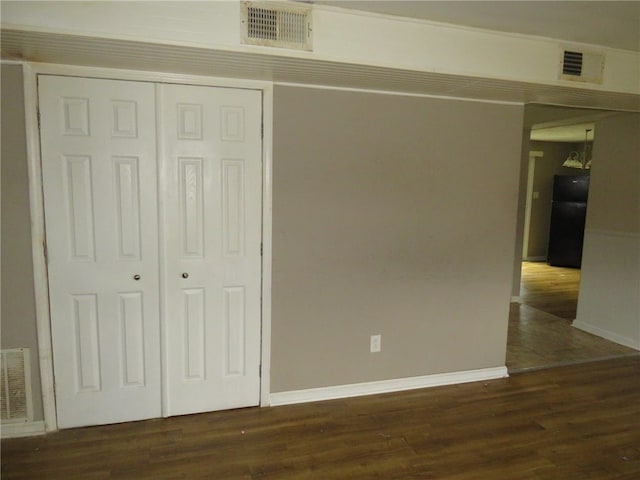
{"x": 392, "y": 215}
{"x": 18, "y": 306}
{"x": 614, "y": 200}
{"x": 609, "y": 302}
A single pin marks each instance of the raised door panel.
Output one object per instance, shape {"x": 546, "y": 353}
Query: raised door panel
{"x": 191, "y": 215}
{"x": 127, "y": 208}
{"x": 86, "y": 342}
{"x": 78, "y": 192}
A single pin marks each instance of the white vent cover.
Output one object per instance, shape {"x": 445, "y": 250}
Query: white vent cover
{"x": 581, "y": 66}
{"x": 15, "y": 381}
{"x": 276, "y": 25}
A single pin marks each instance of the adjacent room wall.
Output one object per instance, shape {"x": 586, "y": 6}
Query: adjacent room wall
{"x": 550, "y": 164}
{"x": 18, "y": 305}
{"x": 392, "y": 215}
{"x": 609, "y": 302}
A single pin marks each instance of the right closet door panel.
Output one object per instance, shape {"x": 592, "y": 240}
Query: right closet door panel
{"x": 211, "y": 171}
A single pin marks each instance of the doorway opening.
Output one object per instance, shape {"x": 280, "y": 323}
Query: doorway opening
{"x": 540, "y": 325}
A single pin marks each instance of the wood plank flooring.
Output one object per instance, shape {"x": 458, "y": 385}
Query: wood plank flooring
{"x": 540, "y": 333}
{"x": 553, "y": 290}
{"x": 577, "y": 422}
{"x": 573, "y": 422}
{"x": 538, "y": 339}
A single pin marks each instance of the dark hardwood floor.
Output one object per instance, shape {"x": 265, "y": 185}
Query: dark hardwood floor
{"x": 579, "y": 421}
{"x": 576, "y": 422}
{"x": 553, "y": 290}
{"x": 538, "y": 339}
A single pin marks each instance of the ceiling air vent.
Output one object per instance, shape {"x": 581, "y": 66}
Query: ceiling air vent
{"x": 572, "y": 63}
{"x": 582, "y": 66}
{"x": 276, "y": 25}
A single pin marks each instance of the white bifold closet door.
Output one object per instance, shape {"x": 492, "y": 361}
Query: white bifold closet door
{"x": 152, "y": 203}
{"x": 98, "y": 143}
{"x": 211, "y": 169}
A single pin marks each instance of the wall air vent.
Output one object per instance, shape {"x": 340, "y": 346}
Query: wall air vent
{"x": 15, "y": 378}
{"x": 276, "y": 25}
{"x": 572, "y": 63}
{"x": 582, "y": 66}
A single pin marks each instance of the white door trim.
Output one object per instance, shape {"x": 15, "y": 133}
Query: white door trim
{"x": 527, "y": 216}
{"x": 40, "y": 279}
{"x": 267, "y": 208}
{"x": 41, "y": 286}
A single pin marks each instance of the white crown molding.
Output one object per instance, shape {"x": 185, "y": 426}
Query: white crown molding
{"x": 351, "y": 49}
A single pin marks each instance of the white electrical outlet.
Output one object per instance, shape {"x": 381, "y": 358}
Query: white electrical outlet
{"x": 376, "y": 343}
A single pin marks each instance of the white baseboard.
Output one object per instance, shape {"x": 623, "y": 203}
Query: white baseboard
{"x": 614, "y": 337}
{"x": 24, "y": 429}
{"x": 385, "y": 386}
{"x": 536, "y": 259}
{"x": 515, "y": 299}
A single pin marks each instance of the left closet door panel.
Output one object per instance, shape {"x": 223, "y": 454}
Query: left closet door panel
{"x": 98, "y": 143}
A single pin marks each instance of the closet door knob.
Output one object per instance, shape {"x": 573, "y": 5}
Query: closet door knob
{"x": 136, "y": 277}
{"x": 185, "y": 275}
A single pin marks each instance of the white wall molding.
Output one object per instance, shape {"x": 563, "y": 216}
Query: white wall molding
{"x": 24, "y": 429}
{"x": 145, "y": 76}
{"x": 386, "y": 386}
{"x": 606, "y": 334}
{"x": 536, "y": 259}
{"x": 396, "y": 93}
{"x": 267, "y": 243}
{"x": 40, "y": 278}
{"x": 350, "y": 49}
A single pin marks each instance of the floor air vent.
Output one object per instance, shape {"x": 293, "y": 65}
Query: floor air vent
{"x": 582, "y": 66}
{"x": 15, "y": 375}
{"x": 276, "y": 25}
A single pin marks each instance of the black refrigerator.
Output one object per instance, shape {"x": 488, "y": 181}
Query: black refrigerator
{"x": 568, "y": 214}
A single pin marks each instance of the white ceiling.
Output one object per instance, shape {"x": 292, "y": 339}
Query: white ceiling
{"x": 614, "y": 24}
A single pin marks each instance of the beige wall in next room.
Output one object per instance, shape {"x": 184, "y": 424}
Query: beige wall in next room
{"x": 546, "y": 166}
{"x": 609, "y": 302}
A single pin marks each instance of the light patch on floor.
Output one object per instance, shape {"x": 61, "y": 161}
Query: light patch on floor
{"x": 539, "y": 340}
